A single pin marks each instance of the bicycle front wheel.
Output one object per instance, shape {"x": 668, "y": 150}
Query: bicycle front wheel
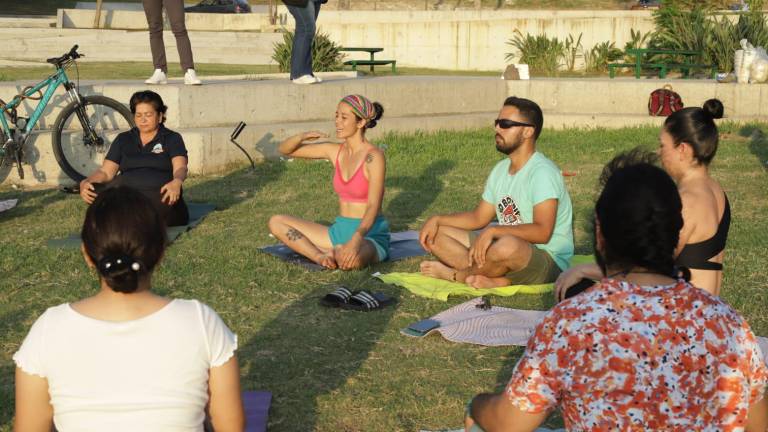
{"x": 84, "y": 132}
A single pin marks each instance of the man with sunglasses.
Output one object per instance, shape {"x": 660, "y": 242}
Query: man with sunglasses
{"x": 525, "y": 192}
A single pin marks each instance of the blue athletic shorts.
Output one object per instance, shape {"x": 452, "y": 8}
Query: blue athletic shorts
{"x": 343, "y": 229}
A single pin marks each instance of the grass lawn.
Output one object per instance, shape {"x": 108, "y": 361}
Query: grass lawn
{"x": 334, "y": 370}
{"x": 142, "y": 70}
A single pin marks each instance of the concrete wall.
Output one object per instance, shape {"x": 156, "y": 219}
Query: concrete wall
{"x": 275, "y": 109}
{"x": 467, "y": 40}
{"x": 35, "y": 45}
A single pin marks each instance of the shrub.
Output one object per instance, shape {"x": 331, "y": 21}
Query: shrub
{"x": 637, "y": 40}
{"x": 325, "y": 53}
{"x": 541, "y": 53}
{"x": 597, "y": 59}
{"x": 694, "y": 25}
{"x": 572, "y": 51}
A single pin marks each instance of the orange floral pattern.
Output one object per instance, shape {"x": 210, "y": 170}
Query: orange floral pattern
{"x": 626, "y": 357}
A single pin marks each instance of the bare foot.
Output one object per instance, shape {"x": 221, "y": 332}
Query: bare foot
{"x": 436, "y": 269}
{"x": 326, "y": 260}
{"x": 480, "y": 281}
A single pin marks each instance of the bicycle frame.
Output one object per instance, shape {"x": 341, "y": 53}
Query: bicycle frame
{"x": 52, "y": 82}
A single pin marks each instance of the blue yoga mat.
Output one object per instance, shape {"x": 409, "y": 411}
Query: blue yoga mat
{"x": 197, "y": 212}
{"x": 256, "y": 405}
{"x": 401, "y": 245}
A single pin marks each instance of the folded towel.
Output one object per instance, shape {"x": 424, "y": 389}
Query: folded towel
{"x": 497, "y": 326}
{"x": 439, "y": 289}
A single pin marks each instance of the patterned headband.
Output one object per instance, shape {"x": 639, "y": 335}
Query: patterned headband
{"x": 361, "y": 106}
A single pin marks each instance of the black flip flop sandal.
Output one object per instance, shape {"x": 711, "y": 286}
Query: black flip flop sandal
{"x": 364, "y": 301}
{"x": 340, "y": 296}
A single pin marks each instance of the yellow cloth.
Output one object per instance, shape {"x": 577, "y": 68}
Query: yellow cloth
{"x": 439, "y": 289}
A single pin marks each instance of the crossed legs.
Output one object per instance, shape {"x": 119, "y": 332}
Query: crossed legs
{"x": 451, "y": 247}
{"x": 312, "y": 240}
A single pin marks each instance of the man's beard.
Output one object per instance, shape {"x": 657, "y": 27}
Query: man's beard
{"x": 502, "y": 146}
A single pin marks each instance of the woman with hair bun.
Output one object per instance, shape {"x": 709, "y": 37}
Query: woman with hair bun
{"x": 360, "y": 234}
{"x": 127, "y": 359}
{"x": 687, "y": 144}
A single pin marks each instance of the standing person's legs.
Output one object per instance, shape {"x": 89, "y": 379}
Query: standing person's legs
{"x": 153, "y": 9}
{"x": 301, "y": 52}
{"x": 175, "y": 11}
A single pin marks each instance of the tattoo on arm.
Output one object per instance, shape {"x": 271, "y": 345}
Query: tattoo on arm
{"x": 293, "y": 234}
{"x": 369, "y": 158}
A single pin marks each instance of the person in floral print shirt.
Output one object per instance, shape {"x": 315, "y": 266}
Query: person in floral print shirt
{"x": 639, "y": 350}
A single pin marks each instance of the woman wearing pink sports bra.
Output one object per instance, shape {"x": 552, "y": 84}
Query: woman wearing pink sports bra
{"x": 360, "y": 234}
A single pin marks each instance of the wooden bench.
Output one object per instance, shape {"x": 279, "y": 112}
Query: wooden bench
{"x": 372, "y": 62}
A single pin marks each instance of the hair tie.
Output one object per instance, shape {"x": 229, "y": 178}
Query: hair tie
{"x": 361, "y": 106}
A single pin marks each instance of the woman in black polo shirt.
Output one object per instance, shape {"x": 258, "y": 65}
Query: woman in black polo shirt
{"x": 149, "y": 157}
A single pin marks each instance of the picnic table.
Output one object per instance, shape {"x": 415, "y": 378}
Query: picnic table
{"x": 665, "y": 60}
{"x": 372, "y": 62}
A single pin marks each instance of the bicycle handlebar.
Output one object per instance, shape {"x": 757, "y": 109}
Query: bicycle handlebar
{"x": 71, "y": 55}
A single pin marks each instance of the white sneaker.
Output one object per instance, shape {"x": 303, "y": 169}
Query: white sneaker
{"x": 158, "y": 77}
{"x": 190, "y": 78}
{"x": 304, "y": 79}
{"x": 317, "y": 79}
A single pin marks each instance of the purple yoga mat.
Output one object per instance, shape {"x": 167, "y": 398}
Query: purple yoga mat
{"x": 256, "y": 404}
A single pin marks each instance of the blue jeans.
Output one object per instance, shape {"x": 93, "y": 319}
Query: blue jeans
{"x": 301, "y": 53}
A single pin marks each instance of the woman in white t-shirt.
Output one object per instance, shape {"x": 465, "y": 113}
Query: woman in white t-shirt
{"x": 127, "y": 359}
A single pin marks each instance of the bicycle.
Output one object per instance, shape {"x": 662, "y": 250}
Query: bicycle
{"x": 83, "y": 131}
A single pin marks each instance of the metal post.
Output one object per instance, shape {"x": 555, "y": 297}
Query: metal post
{"x": 97, "y": 18}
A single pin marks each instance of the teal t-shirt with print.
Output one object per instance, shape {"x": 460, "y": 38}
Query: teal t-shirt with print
{"x": 514, "y": 196}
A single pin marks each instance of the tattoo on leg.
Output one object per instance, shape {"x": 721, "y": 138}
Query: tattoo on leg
{"x": 294, "y": 234}
{"x": 369, "y": 158}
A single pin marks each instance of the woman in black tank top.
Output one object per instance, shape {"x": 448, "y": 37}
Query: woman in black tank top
{"x": 688, "y": 143}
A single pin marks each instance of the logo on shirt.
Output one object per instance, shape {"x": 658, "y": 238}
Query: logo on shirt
{"x": 510, "y": 214}
{"x": 158, "y": 148}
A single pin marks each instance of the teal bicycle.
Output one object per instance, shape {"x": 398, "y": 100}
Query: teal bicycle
{"x": 82, "y": 133}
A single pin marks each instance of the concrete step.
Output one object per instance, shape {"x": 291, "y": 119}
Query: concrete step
{"x": 219, "y": 103}
{"x": 208, "y": 47}
{"x": 628, "y": 96}
{"x": 225, "y": 102}
{"x": 137, "y": 20}
{"x": 27, "y": 21}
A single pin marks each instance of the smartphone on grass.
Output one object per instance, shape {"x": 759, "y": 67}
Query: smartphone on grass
{"x": 424, "y": 326}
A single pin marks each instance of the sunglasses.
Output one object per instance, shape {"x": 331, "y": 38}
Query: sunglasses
{"x": 507, "y": 123}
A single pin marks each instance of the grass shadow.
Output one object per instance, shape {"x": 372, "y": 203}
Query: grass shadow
{"x": 758, "y": 143}
{"x": 29, "y": 200}
{"x": 417, "y": 193}
{"x": 308, "y": 351}
{"x": 234, "y": 187}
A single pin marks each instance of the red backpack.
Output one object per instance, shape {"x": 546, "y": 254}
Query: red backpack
{"x": 664, "y": 102}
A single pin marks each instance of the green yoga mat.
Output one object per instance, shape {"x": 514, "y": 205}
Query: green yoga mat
{"x": 197, "y": 212}
{"x": 439, "y": 289}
